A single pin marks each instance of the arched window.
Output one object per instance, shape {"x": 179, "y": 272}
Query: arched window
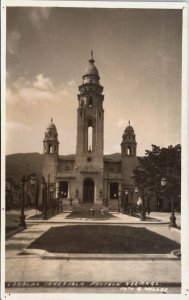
{"x": 128, "y": 151}
{"x": 90, "y": 138}
{"x": 90, "y": 101}
{"x": 50, "y": 149}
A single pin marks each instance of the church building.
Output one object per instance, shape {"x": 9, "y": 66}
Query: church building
{"x": 89, "y": 176}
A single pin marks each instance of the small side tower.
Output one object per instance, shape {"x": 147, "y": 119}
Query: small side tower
{"x": 128, "y": 145}
{"x": 50, "y": 150}
{"x": 50, "y": 142}
{"x": 129, "y": 163}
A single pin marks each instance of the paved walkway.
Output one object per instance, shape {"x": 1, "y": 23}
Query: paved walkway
{"x": 119, "y": 218}
{"x": 37, "y": 265}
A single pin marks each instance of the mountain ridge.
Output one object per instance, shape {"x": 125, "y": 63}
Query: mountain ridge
{"x": 19, "y": 164}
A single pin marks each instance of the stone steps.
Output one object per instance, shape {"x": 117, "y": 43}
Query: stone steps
{"x": 113, "y": 205}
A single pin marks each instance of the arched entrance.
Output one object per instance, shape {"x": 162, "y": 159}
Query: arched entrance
{"x": 114, "y": 190}
{"x": 88, "y": 190}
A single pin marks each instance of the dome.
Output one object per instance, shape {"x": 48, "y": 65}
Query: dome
{"x": 51, "y": 125}
{"x": 91, "y": 72}
{"x": 129, "y": 127}
{"x": 91, "y": 69}
{"x": 51, "y": 132}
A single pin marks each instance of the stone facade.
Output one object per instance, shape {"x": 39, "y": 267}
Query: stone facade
{"x": 89, "y": 176}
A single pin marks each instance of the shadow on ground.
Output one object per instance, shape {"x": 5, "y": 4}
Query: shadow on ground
{"x": 103, "y": 239}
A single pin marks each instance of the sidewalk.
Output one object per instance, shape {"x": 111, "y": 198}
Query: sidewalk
{"x": 28, "y": 265}
{"x": 119, "y": 218}
{"x": 12, "y": 220}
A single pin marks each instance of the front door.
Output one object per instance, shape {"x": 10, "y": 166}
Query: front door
{"x": 88, "y": 190}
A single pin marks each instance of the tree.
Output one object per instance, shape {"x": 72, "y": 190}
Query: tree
{"x": 159, "y": 163}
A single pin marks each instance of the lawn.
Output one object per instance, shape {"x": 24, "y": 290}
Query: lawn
{"x": 103, "y": 239}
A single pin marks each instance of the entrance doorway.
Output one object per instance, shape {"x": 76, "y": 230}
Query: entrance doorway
{"x": 88, "y": 190}
{"x": 114, "y": 190}
{"x": 63, "y": 189}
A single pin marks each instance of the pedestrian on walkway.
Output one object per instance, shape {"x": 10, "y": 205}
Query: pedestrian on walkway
{"x": 139, "y": 204}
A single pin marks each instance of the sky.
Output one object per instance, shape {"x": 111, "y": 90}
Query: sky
{"x": 138, "y": 56}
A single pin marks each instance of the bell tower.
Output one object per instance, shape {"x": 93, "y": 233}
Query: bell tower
{"x": 128, "y": 145}
{"x": 90, "y": 130}
{"x": 129, "y": 162}
{"x": 50, "y": 151}
{"x": 50, "y": 142}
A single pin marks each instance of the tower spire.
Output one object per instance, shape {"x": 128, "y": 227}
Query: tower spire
{"x": 129, "y": 123}
{"x": 91, "y": 60}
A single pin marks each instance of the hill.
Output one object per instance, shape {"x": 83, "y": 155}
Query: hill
{"x": 112, "y": 157}
{"x": 20, "y": 164}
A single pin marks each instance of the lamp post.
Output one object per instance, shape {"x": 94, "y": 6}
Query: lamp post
{"x": 119, "y": 198}
{"x": 131, "y": 211}
{"x": 125, "y": 205}
{"x": 62, "y": 194}
{"x": 51, "y": 198}
{"x": 24, "y": 180}
{"x": 172, "y": 217}
{"x": 44, "y": 199}
{"x": 48, "y": 192}
{"x": 107, "y": 190}
{"x": 143, "y": 213}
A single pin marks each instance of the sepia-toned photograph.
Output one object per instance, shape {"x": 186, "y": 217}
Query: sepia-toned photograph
{"x": 92, "y": 150}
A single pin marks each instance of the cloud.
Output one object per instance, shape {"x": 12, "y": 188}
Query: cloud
{"x": 41, "y": 89}
{"x": 71, "y": 82}
{"x": 17, "y": 126}
{"x": 43, "y": 83}
{"x": 38, "y": 15}
{"x": 13, "y": 39}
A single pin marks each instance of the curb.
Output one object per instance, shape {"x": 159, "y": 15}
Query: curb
{"x": 94, "y": 222}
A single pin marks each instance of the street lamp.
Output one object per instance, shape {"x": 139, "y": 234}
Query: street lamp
{"x": 125, "y": 204}
{"x": 47, "y": 206}
{"x": 62, "y": 196}
{"x": 143, "y": 212}
{"x": 51, "y": 198}
{"x": 172, "y": 217}
{"x": 131, "y": 210}
{"x": 24, "y": 180}
{"x": 119, "y": 197}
